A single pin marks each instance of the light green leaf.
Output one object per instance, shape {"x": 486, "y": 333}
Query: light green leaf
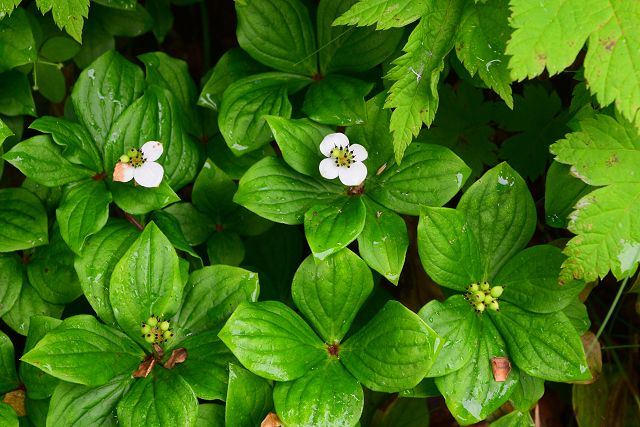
{"x": 23, "y": 220}
{"x": 83, "y": 351}
{"x": 329, "y": 228}
{"x": 7, "y": 6}
{"x": 138, "y": 200}
{"x": 11, "y": 276}
{"x": 448, "y": 248}
{"x": 17, "y": 46}
{"x": 290, "y": 51}
{"x": 501, "y": 214}
{"x": 225, "y": 247}
{"x": 384, "y": 13}
{"x": 393, "y": 352}
{"x": 27, "y": 305}
{"x": 514, "y": 419}
{"x": 272, "y": 341}
{"x": 95, "y": 264}
{"x": 383, "y": 242}
{"x": 8, "y": 415}
{"x": 430, "y": 175}
{"x": 527, "y": 392}
{"x": 543, "y": 345}
{"x": 330, "y": 292}
{"x": 39, "y": 384}
{"x": 459, "y": 326}
{"x": 67, "y": 14}
{"x": 8, "y": 375}
{"x": 337, "y": 100}
{"x": 17, "y": 98}
{"x": 146, "y": 281}
{"x": 274, "y": 191}
{"x": 162, "y": 399}
{"x": 561, "y": 193}
{"x": 578, "y": 316}
{"x": 249, "y": 398}
{"x": 414, "y": 93}
{"x": 245, "y": 103}
{"x": 326, "y": 396}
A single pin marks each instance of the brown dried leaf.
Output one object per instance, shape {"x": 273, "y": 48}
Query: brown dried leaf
{"x": 501, "y": 368}
{"x": 16, "y": 399}
{"x": 271, "y": 420}
{"x": 594, "y": 356}
{"x": 178, "y": 355}
{"x": 145, "y": 368}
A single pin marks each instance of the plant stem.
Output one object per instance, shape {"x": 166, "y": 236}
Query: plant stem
{"x": 609, "y": 313}
{"x": 206, "y": 37}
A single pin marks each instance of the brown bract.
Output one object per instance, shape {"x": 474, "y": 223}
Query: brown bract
{"x": 501, "y": 368}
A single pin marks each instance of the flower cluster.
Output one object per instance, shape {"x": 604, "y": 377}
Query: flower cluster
{"x": 343, "y": 160}
{"x": 156, "y": 330}
{"x": 483, "y": 296}
{"x": 140, "y": 165}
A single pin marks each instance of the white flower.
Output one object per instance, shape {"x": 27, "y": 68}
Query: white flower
{"x": 140, "y": 165}
{"x": 343, "y": 160}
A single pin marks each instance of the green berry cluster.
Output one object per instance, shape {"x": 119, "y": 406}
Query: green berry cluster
{"x": 483, "y": 296}
{"x": 133, "y": 156}
{"x": 155, "y": 330}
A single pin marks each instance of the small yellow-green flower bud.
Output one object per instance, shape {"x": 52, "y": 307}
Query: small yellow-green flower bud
{"x": 477, "y": 296}
{"x": 474, "y": 287}
{"x": 494, "y": 306}
{"x": 152, "y": 321}
{"x": 145, "y": 329}
{"x": 164, "y": 325}
{"x": 488, "y": 299}
{"x": 167, "y": 335}
{"x": 485, "y": 286}
{"x": 124, "y": 159}
{"x": 150, "y": 338}
{"x": 480, "y": 307}
{"x": 496, "y": 291}
{"x": 132, "y": 152}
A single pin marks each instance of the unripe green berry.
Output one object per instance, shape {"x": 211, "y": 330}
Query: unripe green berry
{"x": 496, "y": 291}
{"x": 145, "y": 329}
{"x": 152, "y": 321}
{"x": 124, "y": 158}
{"x": 480, "y": 307}
{"x": 132, "y": 152}
{"x": 488, "y": 299}
{"x": 494, "y": 306}
{"x": 164, "y": 325}
{"x": 485, "y": 286}
{"x": 477, "y": 296}
{"x": 150, "y": 338}
{"x": 474, "y": 287}
{"x": 167, "y": 335}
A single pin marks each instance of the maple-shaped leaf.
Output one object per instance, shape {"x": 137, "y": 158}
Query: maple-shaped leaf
{"x": 538, "y": 121}
{"x": 604, "y": 152}
{"x": 414, "y": 94}
{"x": 462, "y": 125}
{"x": 67, "y": 14}
{"x": 385, "y": 13}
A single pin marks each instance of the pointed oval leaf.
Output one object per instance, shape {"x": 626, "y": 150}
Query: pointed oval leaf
{"x": 39, "y": 384}
{"x": 337, "y": 100}
{"x": 249, "y": 398}
{"x": 8, "y": 375}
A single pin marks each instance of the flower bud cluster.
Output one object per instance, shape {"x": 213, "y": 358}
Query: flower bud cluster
{"x": 483, "y": 296}
{"x": 155, "y": 330}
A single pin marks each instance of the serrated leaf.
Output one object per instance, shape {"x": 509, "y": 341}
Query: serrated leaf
{"x": 272, "y": 341}
{"x": 17, "y": 45}
{"x": 448, "y": 248}
{"x": 8, "y": 375}
{"x": 11, "y": 276}
{"x": 83, "y": 351}
{"x": 501, "y": 214}
{"x": 543, "y": 345}
{"x": 393, "y": 351}
{"x": 384, "y": 13}
{"x": 337, "y": 100}
{"x": 146, "y": 281}
{"x": 67, "y": 14}
{"x": 249, "y": 398}
{"x": 23, "y": 220}
{"x": 77, "y": 404}
{"x": 561, "y": 193}
{"x": 430, "y": 175}
{"x": 27, "y": 305}
{"x": 290, "y": 51}
{"x": 7, "y": 6}
{"x": 162, "y": 399}
{"x": 39, "y": 384}
{"x": 328, "y": 396}
{"x": 414, "y": 93}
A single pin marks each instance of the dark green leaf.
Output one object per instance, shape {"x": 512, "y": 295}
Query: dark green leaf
{"x": 8, "y": 415}
{"x": 402, "y": 412}
{"x": 8, "y": 375}
{"x": 527, "y": 392}
{"x": 96, "y": 41}
{"x": 17, "y": 46}
{"x": 225, "y": 247}
{"x": 59, "y": 48}
{"x": 196, "y": 226}
{"x": 578, "y": 316}
{"x": 125, "y": 23}
{"x": 337, "y": 100}
{"x": 138, "y": 200}
{"x": 39, "y": 384}
{"x": 11, "y": 276}
{"x": 160, "y": 11}
{"x": 210, "y": 415}
{"x": 426, "y": 388}
{"x": 393, "y": 352}
{"x": 232, "y": 165}
{"x": 49, "y": 81}
{"x": 27, "y": 305}
{"x": 49, "y": 196}
{"x": 249, "y": 398}
{"x": 292, "y": 50}
{"x": 272, "y": 341}
{"x": 118, "y": 4}
{"x": 561, "y": 193}
{"x": 330, "y": 292}
{"x": 83, "y": 351}
{"x": 170, "y": 226}
{"x": 23, "y": 220}
{"x": 326, "y": 396}
{"x": 37, "y": 411}
{"x": 213, "y": 192}
{"x": 16, "y": 94}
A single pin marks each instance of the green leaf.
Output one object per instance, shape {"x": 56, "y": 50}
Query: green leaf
{"x": 118, "y": 4}
{"x": 299, "y": 140}
{"x": 49, "y": 196}
{"x": 448, "y": 248}
{"x": 8, "y": 375}
{"x": 471, "y": 393}
{"x": 50, "y": 81}
{"x": 77, "y": 404}
{"x": 17, "y": 98}
{"x": 249, "y": 398}
{"x": 393, "y": 352}
{"x": 50, "y": 271}
{"x": 578, "y": 316}
{"x": 5, "y": 132}
{"x": 170, "y": 226}
{"x": 561, "y": 193}
{"x": 196, "y": 226}
{"x": 328, "y": 396}
{"x": 39, "y": 384}
{"x": 205, "y": 369}
{"x": 514, "y": 419}
{"x": 459, "y": 325}
{"x": 543, "y": 345}
{"x": 501, "y": 214}
{"x": 247, "y": 100}
{"x": 210, "y": 415}
{"x": 527, "y": 392}
{"x": 146, "y": 281}
{"x": 162, "y": 16}
{"x": 329, "y": 228}
{"x": 8, "y": 415}
{"x": 402, "y": 412}
{"x": 414, "y": 93}
{"x": 7, "y": 6}
{"x": 225, "y": 247}
{"x": 68, "y": 15}
{"x": 138, "y": 200}
{"x": 23, "y": 220}
{"x": 124, "y": 23}
{"x": 17, "y": 46}
{"x": 83, "y": 211}
{"x": 83, "y": 351}
{"x": 42, "y": 161}
{"x": 79, "y": 148}
{"x": 384, "y": 13}
{"x": 213, "y": 192}
{"x": 27, "y": 305}
{"x": 290, "y": 51}
{"x": 96, "y": 41}
{"x": 103, "y": 91}
{"x": 330, "y": 292}
{"x": 59, "y": 48}
{"x": 274, "y": 191}
{"x": 162, "y": 399}
{"x": 351, "y": 49}
{"x": 383, "y": 242}
{"x": 530, "y": 280}
{"x": 481, "y": 42}
{"x": 430, "y": 175}
{"x": 11, "y": 276}
{"x": 212, "y": 294}
{"x": 272, "y": 341}
{"x": 337, "y": 100}
{"x": 95, "y": 264}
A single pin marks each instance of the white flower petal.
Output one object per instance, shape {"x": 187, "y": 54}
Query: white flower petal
{"x": 359, "y": 152}
{"x": 329, "y": 169}
{"x": 151, "y": 150}
{"x": 333, "y": 140}
{"x": 353, "y": 175}
{"x": 149, "y": 174}
{"x": 123, "y": 172}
